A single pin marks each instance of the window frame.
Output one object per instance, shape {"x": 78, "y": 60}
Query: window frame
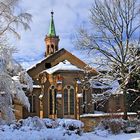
{"x": 53, "y": 93}
{"x": 69, "y": 88}
{"x": 32, "y": 101}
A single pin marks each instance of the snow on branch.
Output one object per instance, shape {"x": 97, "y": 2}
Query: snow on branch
{"x": 12, "y": 78}
{"x": 26, "y": 79}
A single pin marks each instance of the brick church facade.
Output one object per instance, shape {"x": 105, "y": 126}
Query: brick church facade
{"x": 58, "y": 91}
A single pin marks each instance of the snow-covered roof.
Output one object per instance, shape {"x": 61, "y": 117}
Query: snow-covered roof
{"x": 115, "y": 87}
{"x": 99, "y": 85}
{"x": 35, "y": 64}
{"x": 43, "y": 59}
{"x": 63, "y": 66}
{"x": 112, "y": 86}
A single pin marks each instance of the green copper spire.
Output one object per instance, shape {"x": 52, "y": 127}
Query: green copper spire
{"x": 52, "y": 26}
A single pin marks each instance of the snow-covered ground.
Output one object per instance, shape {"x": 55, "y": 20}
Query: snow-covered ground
{"x": 90, "y": 136}
{"x": 57, "y": 134}
{"x": 47, "y": 129}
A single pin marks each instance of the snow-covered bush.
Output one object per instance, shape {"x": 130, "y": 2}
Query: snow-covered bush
{"x": 67, "y": 123}
{"x": 132, "y": 126}
{"x": 114, "y": 126}
{"x": 2, "y": 122}
{"x": 71, "y": 126}
{"x": 130, "y": 130}
{"x": 33, "y": 123}
{"x": 67, "y": 126}
{"x": 50, "y": 123}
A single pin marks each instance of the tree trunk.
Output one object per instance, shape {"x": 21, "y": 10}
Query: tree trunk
{"x": 125, "y": 117}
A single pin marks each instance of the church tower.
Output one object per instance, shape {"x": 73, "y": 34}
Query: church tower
{"x": 51, "y": 39}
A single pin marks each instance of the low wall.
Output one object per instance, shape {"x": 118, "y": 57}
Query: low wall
{"x": 92, "y": 120}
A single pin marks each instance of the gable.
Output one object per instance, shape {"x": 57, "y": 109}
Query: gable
{"x": 63, "y": 66}
{"x": 56, "y": 58}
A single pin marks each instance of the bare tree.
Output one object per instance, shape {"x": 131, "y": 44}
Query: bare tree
{"x": 11, "y": 18}
{"x": 114, "y": 33}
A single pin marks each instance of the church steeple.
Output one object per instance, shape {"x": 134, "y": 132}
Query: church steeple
{"x": 52, "y": 26}
{"x": 51, "y": 39}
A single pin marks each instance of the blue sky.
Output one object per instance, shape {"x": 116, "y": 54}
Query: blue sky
{"x": 68, "y": 16}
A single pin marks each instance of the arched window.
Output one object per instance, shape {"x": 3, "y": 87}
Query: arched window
{"x": 72, "y": 101}
{"x": 52, "y": 100}
{"x": 65, "y": 101}
{"x": 52, "y": 49}
{"x": 69, "y": 100}
{"x": 32, "y": 103}
{"x": 48, "y": 49}
{"x": 56, "y": 48}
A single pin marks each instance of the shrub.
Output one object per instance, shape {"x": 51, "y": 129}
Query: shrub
{"x": 115, "y": 126}
{"x": 50, "y": 123}
{"x": 132, "y": 126}
{"x": 68, "y": 126}
{"x": 71, "y": 126}
{"x": 33, "y": 123}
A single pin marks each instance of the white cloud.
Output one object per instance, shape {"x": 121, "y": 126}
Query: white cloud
{"x": 68, "y": 17}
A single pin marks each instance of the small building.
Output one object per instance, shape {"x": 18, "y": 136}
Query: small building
{"x": 106, "y": 97}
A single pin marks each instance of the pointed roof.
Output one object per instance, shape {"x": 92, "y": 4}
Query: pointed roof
{"x": 52, "y": 27}
{"x": 58, "y": 57}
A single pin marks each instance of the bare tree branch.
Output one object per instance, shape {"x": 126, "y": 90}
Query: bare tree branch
{"x": 115, "y": 23}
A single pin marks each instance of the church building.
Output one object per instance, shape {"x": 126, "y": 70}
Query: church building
{"x": 60, "y": 89}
